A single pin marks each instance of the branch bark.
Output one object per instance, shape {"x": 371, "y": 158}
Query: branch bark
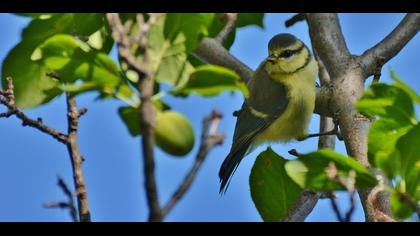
{"x": 391, "y": 44}
{"x": 7, "y": 98}
{"x": 73, "y": 116}
{"x": 347, "y": 85}
{"x": 328, "y": 40}
{"x": 212, "y": 52}
{"x": 147, "y": 113}
{"x": 230, "y": 25}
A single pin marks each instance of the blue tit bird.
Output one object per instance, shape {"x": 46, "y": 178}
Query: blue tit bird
{"x": 280, "y": 104}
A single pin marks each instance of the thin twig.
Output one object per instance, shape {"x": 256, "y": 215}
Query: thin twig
{"x": 352, "y": 207}
{"x": 378, "y": 68}
{"x": 296, "y": 18}
{"x": 336, "y": 210}
{"x": 230, "y": 25}
{"x": 64, "y": 205}
{"x": 347, "y": 182}
{"x": 209, "y": 139}
{"x": 9, "y": 101}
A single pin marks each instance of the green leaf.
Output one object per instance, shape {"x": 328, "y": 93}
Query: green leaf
{"x": 400, "y": 208}
{"x": 42, "y": 16}
{"x": 246, "y": 19}
{"x": 77, "y": 24}
{"x": 173, "y": 132}
{"x": 32, "y": 87}
{"x": 130, "y": 117}
{"x": 310, "y": 170}
{"x": 211, "y": 80}
{"x": 187, "y": 27}
{"x": 408, "y": 152}
{"x": 171, "y": 40}
{"x": 272, "y": 190}
{"x": 101, "y": 40}
{"x": 73, "y": 59}
{"x": 387, "y": 101}
{"x": 383, "y": 136}
{"x": 400, "y": 84}
{"x": 85, "y": 24}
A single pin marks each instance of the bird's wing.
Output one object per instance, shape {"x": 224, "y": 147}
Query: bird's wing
{"x": 266, "y": 103}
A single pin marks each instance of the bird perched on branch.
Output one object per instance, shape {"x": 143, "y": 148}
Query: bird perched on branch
{"x": 280, "y": 103}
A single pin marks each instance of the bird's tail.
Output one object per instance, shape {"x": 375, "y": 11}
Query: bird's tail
{"x": 229, "y": 166}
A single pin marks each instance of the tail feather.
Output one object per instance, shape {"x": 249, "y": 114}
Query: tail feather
{"x": 228, "y": 168}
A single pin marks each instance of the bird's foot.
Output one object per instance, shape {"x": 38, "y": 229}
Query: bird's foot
{"x": 334, "y": 131}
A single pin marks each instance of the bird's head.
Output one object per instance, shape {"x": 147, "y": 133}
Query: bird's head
{"x": 286, "y": 55}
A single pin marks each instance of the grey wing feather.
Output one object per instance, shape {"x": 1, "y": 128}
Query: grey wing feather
{"x": 271, "y": 98}
{"x": 245, "y": 133}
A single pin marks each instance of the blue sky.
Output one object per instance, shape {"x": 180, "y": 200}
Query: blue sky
{"x": 30, "y": 161}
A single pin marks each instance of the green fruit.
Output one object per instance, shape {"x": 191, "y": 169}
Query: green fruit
{"x": 174, "y": 133}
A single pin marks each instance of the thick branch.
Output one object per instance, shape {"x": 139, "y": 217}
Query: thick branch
{"x": 209, "y": 139}
{"x": 211, "y": 51}
{"x": 76, "y": 159}
{"x": 327, "y": 38}
{"x": 346, "y": 87}
{"x": 391, "y": 44}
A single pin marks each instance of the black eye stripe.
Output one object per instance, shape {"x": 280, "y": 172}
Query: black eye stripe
{"x": 288, "y": 53}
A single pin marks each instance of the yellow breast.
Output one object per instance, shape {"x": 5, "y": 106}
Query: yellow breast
{"x": 294, "y": 121}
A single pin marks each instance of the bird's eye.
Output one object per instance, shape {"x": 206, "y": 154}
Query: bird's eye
{"x": 286, "y": 54}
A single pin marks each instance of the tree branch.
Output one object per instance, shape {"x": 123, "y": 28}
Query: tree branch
{"x": 346, "y": 87}
{"x": 391, "y": 44}
{"x": 296, "y": 18}
{"x": 73, "y": 116}
{"x": 327, "y": 38}
{"x": 145, "y": 84}
{"x": 7, "y": 98}
{"x": 209, "y": 139}
{"x": 211, "y": 51}
{"x": 230, "y": 25}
